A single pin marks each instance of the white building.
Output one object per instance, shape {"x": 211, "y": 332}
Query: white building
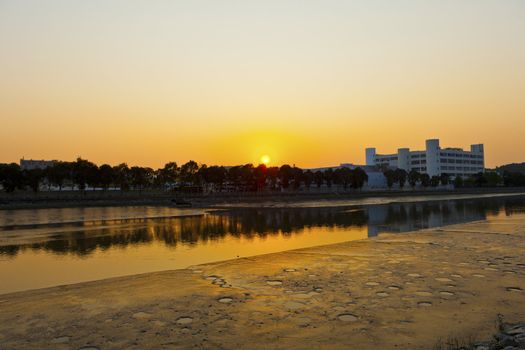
{"x": 434, "y": 160}
{"x": 30, "y": 164}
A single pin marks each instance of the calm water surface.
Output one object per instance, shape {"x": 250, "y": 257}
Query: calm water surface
{"x": 48, "y": 247}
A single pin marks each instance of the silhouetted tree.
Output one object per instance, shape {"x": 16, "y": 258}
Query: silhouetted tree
{"x": 434, "y": 181}
{"x": 343, "y": 176}
{"x": 329, "y": 177}
{"x": 259, "y": 176}
{"x": 214, "y": 175}
{"x": 458, "y": 182}
{"x": 514, "y": 179}
{"x": 444, "y": 179}
{"x": 413, "y": 177}
{"x": 272, "y": 174}
{"x": 297, "y": 176}
{"x": 11, "y": 177}
{"x": 492, "y": 178}
{"x": 83, "y": 171}
{"x": 122, "y": 176}
{"x": 141, "y": 177}
{"x": 285, "y": 175}
{"x": 168, "y": 175}
{"x": 359, "y": 178}
{"x": 391, "y": 177}
{"x": 308, "y": 177}
{"x": 106, "y": 176}
{"x": 401, "y": 177}
{"x": 319, "y": 178}
{"x": 188, "y": 172}
{"x": 58, "y": 173}
{"x": 478, "y": 179}
{"x": 33, "y": 178}
{"x": 425, "y": 180}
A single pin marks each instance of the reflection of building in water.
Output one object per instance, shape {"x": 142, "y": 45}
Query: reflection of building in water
{"x": 83, "y": 238}
{"x": 404, "y": 217}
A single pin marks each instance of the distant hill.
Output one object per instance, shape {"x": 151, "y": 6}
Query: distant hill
{"x": 512, "y": 168}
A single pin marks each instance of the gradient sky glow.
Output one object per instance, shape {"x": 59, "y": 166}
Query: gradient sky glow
{"x": 310, "y": 83}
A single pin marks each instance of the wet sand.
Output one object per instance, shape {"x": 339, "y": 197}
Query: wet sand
{"x": 402, "y": 291}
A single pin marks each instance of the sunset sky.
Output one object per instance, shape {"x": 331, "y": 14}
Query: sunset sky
{"x": 310, "y": 83}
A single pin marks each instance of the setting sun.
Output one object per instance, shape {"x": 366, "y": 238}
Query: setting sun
{"x": 265, "y": 159}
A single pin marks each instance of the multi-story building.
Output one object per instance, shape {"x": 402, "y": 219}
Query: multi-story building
{"x": 434, "y": 160}
{"x": 29, "y": 164}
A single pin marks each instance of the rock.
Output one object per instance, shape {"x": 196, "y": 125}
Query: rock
{"x": 515, "y": 330}
{"x": 225, "y": 300}
{"x": 60, "y": 340}
{"x": 504, "y": 340}
{"x": 141, "y": 315}
{"x": 520, "y": 340}
{"x": 347, "y": 317}
{"x": 424, "y": 303}
{"x": 482, "y": 347}
{"x": 274, "y": 282}
{"x": 184, "y": 320}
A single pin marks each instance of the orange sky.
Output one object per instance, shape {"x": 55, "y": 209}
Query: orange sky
{"x": 310, "y": 83}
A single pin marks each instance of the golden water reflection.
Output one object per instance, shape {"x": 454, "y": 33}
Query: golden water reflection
{"x": 48, "y": 254}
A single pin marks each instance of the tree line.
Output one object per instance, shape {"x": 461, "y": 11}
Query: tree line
{"x": 402, "y": 178}
{"x": 193, "y": 177}
{"x": 190, "y": 177}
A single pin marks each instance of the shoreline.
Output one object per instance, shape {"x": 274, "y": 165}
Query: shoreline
{"x": 405, "y": 291}
{"x": 46, "y": 200}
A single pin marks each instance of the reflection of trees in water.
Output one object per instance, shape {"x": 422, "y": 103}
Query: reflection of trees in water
{"x": 250, "y": 223}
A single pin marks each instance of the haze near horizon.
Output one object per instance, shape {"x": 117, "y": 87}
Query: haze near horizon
{"x": 310, "y": 83}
